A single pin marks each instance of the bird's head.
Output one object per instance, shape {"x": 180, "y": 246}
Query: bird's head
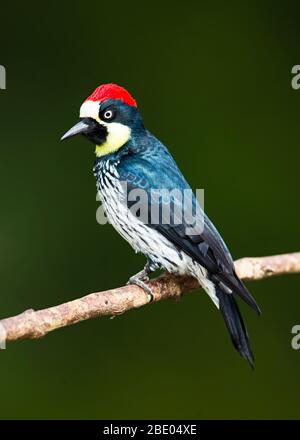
{"x": 107, "y": 118}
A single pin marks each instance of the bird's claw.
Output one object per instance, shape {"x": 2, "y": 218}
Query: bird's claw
{"x": 142, "y": 285}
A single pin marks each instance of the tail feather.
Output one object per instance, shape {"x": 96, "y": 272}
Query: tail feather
{"x": 235, "y": 324}
{"x": 237, "y": 285}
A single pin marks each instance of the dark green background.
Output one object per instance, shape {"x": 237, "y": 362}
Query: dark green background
{"x": 212, "y": 80}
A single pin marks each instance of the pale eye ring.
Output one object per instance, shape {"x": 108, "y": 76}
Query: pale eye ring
{"x": 108, "y": 114}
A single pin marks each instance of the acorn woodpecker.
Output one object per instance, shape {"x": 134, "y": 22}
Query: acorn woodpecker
{"x": 129, "y": 159}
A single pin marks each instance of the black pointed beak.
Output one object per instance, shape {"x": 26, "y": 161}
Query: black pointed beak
{"x": 86, "y": 126}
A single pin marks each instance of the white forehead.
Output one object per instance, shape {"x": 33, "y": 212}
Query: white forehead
{"x": 90, "y": 109}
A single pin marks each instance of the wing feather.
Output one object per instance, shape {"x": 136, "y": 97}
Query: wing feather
{"x": 206, "y": 247}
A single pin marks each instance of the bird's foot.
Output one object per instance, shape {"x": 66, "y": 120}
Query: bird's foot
{"x": 142, "y": 276}
{"x": 139, "y": 280}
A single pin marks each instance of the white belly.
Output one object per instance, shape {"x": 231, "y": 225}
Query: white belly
{"x": 147, "y": 240}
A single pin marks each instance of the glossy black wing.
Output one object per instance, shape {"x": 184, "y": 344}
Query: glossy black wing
{"x": 204, "y": 244}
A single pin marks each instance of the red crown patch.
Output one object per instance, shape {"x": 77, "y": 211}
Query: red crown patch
{"x": 112, "y": 91}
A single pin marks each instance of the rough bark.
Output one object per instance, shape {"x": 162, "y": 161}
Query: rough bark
{"x": 35, "y": 324}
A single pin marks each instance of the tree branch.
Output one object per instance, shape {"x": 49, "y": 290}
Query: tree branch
{"x": 35, "y": 324}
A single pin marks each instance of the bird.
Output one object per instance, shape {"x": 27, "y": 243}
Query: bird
{"x": 131, "y": 160}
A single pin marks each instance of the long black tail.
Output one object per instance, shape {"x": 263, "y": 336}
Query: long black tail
{"x": 235, "y": 324}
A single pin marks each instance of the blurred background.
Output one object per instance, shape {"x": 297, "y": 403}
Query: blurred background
{"x": 213, "y": 82}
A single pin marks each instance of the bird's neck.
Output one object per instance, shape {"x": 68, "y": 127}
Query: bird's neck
{"x": 135, "y": 145}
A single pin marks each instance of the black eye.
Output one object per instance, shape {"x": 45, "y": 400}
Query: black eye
{"x": 107, "y": 115}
